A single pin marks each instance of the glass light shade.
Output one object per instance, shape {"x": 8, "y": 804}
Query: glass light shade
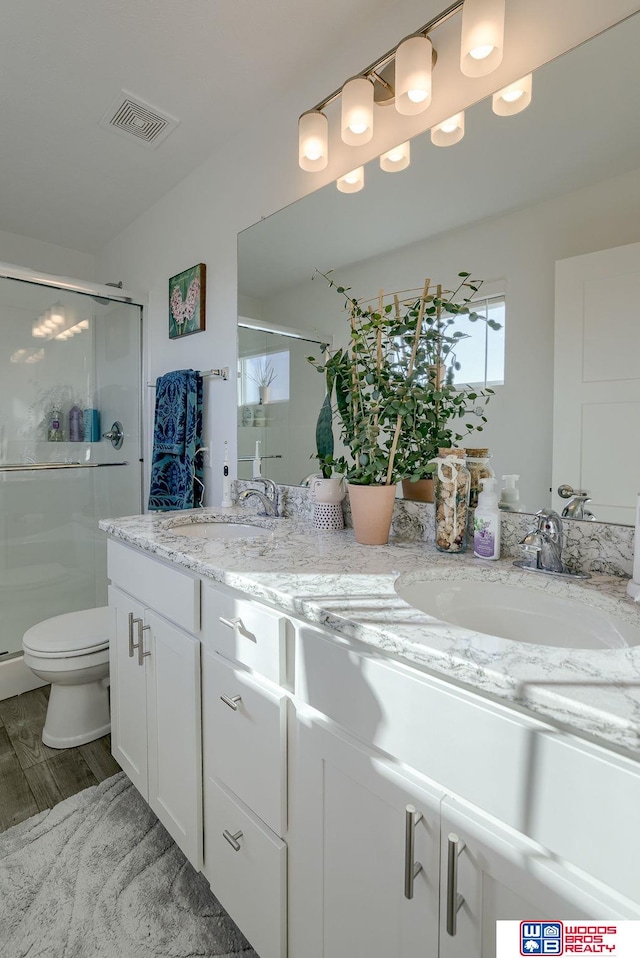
{"x": 413, "y": 75}
{"x": 513, "y": 98}
{"x": 357, "y": 111}
{"x": 449, "y": 131}
{"x": 351, "y": 182}
{"x": 482, "y": 36}
{"x": 313, "y": 141}
{"x": 396, "y": 159}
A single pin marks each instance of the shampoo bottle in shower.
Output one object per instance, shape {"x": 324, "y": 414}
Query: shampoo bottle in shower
{"x": 55, "y": 433}
{"x": 76, "y": 424}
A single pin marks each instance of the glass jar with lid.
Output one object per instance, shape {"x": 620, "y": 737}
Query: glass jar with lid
{"x": 479, "y": 468}
{"x": 451, "y": 488}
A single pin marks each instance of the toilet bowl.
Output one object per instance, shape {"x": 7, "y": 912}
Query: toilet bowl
{"x": 71, "y": 651}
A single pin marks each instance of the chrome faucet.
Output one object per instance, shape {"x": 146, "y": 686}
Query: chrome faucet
{"x": 576, "y": 506}
{"x": 544, "y": 543}
{"x": 268, "y": 498}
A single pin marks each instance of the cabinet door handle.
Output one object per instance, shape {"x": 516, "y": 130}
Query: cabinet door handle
{"x": 231, "y": 623}
{"x": 233, "y": 839}
{"x": 232, "y": 701}
{"x": 140, "y": 646}
{"x": 411, "y": 868}
{"x": 132, "y": 644}
{"x": 454, "y": 900}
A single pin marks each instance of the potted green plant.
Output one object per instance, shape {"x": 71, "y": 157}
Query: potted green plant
{"x": 442, "y": 409}
{"x": 390, "y": 398}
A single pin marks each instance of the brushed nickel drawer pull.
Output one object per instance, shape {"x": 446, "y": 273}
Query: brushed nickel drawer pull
{"x": 132, "y": 645}
{"x": 231, "y": 623}
{"x": 411, "y": 868}
{"x": 454, "y": 900}
{"x": 141, "y": 653}
{"x": 232, "y": 701}
{"x": 232, "y": 839}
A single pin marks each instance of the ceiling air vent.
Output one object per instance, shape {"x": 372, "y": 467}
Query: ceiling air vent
{"x": 132, "y": 117}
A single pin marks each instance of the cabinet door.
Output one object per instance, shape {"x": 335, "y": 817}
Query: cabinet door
{"x": 491, "y": 872}
{"x": 350, "y": 859}
{"x": 172, "y": 662}
{"x": 128, "y": 690}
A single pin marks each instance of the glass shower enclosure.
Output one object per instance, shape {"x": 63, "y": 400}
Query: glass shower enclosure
{"x": 70, "y": 368}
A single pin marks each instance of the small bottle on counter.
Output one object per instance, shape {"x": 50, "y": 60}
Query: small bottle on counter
{"x": 486, "y": 522}
{"x": 510, "y": 497}
{"x": 451, "y": 492}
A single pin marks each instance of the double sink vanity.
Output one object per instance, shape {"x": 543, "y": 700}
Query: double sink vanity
{"x": 376, "y": 751}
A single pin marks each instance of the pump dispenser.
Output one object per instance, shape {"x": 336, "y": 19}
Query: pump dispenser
{"x": 486, "y": 522}
{"x": 510, "y": 498}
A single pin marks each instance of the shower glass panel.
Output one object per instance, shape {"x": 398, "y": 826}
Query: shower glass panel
{"x": 283, "y": 420}
{"x": 62, "y": 353}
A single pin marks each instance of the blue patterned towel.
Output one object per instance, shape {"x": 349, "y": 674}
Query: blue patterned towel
{"x": 176, "y": 471}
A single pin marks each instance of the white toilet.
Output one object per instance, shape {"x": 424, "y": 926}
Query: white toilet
{"x": 71, "y": 651}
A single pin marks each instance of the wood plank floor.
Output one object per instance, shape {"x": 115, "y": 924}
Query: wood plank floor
{"x": 34, "y": 777}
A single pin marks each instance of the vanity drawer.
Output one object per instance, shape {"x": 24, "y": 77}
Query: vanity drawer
{"x": 245, "y": 631}
{"x": 246, "y": 866}
{"x": 244, "y": 737}
{"x": 163, "y": 588}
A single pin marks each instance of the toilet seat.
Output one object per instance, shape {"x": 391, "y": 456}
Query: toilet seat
{"x": 68, "y": 635}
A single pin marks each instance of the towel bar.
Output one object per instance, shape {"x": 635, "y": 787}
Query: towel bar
{"x": 222, "y": 373}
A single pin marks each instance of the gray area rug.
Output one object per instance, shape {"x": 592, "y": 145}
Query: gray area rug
{"x": 99, "y": 877}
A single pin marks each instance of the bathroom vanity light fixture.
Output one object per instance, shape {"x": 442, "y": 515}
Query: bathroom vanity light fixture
{"x": 351, "y": 182}
{"x": 402, "y": 76}
{"x": 482, "y": 41}
{"x": 448, "y": 132}
{"x": 513, "y": 98}
{"x": 396, "y": 159}
{"x": 54, "y": 324}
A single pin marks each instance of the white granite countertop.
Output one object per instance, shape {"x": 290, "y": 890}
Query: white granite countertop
{"x": 329, "y": 579}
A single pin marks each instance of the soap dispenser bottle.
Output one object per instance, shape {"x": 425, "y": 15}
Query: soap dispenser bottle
{"x": 486, "y": 522}
{"x": 510, "y": 498}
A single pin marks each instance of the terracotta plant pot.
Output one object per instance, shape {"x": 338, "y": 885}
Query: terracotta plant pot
{"x": 372, "y": 511}
{"x": 420, "y": 491}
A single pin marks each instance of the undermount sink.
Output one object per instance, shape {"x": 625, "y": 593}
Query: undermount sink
{"x": 517, "y": 612}
{"x": 214, "y": 528}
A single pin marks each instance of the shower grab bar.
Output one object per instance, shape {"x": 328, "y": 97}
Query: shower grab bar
{"x": 37, "y": 466}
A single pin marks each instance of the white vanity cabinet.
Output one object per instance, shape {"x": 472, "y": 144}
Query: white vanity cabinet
{"x": 155, "y": 690}
{"x": 365, "y": 851}
{"x": 346, "y": 802}
{"x": 499, "y": 794}
{"x": 492, "y": 873}
{"x": 244, "y": 659}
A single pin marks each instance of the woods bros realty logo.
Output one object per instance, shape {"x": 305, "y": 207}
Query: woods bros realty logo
{"x": 556, "y": 938}
{"x": 620, "y": 939}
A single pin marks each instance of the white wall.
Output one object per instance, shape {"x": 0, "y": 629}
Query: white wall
{"x": 257, "y": 174}
{"x": 46, "y": 257}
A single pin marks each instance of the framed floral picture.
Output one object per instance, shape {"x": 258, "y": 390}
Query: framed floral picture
{"x": 187, "y": 292}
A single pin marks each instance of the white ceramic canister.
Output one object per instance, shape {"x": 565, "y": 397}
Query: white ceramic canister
{"x": 328, "y": 490}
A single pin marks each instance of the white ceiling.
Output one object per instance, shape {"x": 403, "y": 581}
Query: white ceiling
{"x": 210, "y": 63}
{"x": 582, "y": 126}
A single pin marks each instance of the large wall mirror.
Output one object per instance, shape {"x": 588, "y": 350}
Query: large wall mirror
{"x": 518, "y": 194}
